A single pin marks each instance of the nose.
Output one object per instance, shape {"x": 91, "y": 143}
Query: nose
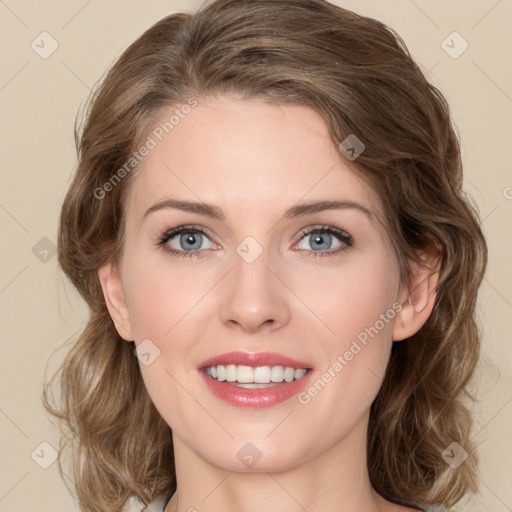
{"x": 253, "y": 297}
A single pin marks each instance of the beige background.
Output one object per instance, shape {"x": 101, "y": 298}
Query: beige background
{"x": 39, "y": 99}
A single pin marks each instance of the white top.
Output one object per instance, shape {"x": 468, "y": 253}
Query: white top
{"x": 158, "y": 505}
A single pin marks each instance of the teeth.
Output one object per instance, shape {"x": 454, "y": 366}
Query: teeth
{"x": 299, "y": 373}
{"x": 243, "y": 374}
{"x": 262, "y": 374}
{"x": 289, "y": 374}
{"x": 230, "y": 373}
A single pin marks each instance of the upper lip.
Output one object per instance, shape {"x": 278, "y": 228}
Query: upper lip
{"x": 254, "y": 359}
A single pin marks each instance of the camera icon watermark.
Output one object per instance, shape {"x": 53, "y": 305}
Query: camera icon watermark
{"x": 454, "y": 455}
{"x": 249, "y": 249}
{"x": 44, "y": 250}
{"x": 454, "y": 45}
{"x": 147, "y": 352}
{"x": 44, "y": 455}
{"x": 44, "y": 45}
{"x": 249, "y": 454}
{"x": 351, "y": 147}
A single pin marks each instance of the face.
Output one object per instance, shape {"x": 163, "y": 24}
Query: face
{"x": 257, "y": 273}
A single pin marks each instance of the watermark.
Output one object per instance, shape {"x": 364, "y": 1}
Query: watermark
{"x": 44, "y": 250}
{"x": 249, "y": 454}
{"x": 44, "y": 45}
{"x": 454, "y": 45}
{"x": 454, "y": 455}
{"x": 304, "y": 397}
{"x": 146, "y": 352}
{"x": 507, "y": 192}
{"x": 44, "y": 454}
{"x": 152, "y": 141}
{"x": 351, "y": 147}
{"x": 249, "y": 249}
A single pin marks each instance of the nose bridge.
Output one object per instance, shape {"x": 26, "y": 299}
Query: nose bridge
{"x": 253, "y": 296}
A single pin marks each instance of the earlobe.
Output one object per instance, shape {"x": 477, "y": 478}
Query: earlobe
{"x": 419, "y": 299}
{"x": 112, "y": 286}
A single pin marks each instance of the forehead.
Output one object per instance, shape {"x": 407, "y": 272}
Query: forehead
{"x": 246, "y": 155}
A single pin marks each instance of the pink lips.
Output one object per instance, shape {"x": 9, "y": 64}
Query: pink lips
{"x": 254, "y": 359}
{"x": 257, "y": 397}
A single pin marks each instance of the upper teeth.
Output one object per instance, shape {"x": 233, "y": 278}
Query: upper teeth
{"x": 257, "y": 374}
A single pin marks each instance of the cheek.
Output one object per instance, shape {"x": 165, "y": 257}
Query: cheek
{"x": 358, "y": 307}
{"x": 367, "y": 306}
{"x": 159, "y": 296}
{"x": 351, "y": 298}
{"x": 166, "y": 307}
{"x": 161, "y": 304}
{"x": 368, "y": 315}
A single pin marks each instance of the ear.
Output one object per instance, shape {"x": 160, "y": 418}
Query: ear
{"x": 419, "y": 298}
{"x": 113, "y": 291}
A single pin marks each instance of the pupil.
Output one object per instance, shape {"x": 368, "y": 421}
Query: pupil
{"x": 191, "y": 240}
{"x": 323, "y": 242}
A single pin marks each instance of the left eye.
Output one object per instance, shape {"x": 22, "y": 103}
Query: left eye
{"x": 323, "y": 240}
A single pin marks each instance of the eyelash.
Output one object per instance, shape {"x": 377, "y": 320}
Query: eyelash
{"x": 346, "y": 239}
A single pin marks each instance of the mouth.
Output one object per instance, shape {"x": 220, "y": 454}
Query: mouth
{"x": 258, "y": 377}
{"x": 246, "y": 379}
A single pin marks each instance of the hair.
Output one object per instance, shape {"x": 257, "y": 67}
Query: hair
{"x": 358, "y": 74}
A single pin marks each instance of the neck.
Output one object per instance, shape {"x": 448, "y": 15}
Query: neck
{"x": 336, "y": 479}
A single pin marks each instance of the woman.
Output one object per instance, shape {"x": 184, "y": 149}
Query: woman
{"x": 268, "y": 225}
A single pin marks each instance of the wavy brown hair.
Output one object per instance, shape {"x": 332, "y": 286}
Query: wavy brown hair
{"x": 359, "y": 76}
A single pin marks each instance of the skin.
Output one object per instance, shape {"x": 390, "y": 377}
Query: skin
{"x": 254, "y": 160}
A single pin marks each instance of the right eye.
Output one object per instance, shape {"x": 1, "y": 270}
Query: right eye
{"x": 184, "y": 241}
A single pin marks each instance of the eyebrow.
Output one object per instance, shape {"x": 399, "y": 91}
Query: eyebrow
{"x": 299, "y": 210}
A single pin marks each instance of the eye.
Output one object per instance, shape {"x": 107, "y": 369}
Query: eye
{"x": 184, "y": 241}
{"x": 188, "y": 241}
{"x": 325, "y": 241}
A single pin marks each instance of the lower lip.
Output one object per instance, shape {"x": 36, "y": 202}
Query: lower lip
{"x": 256, "y": 398}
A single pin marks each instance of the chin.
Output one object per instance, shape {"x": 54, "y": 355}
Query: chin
{"x": 255, "y": 456}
